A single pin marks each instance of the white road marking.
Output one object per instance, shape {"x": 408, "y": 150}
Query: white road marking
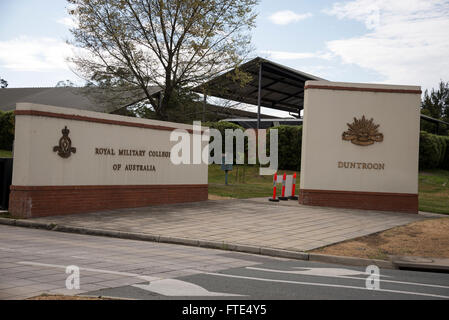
{"x": 166, "y": 287}
{"x": 326, "y": 285}
{"x": 320, "y": 273}
{"x": 333, "y": 272}
{"x": 178, "y": 288}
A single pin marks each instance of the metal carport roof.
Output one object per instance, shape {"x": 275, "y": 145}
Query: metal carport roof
{"x": 271, "y": 86}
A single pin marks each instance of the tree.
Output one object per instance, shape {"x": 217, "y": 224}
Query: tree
{"x": 173, "y": 44}
{"x": 65, "y": 84}
{"x": 436, "y": 104}
{"x": 3, "y": 83}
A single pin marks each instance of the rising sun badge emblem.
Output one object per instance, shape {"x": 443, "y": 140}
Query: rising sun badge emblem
{"x": 363, "y": 132}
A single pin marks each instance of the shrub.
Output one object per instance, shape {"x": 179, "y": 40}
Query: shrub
{"x": 289, "y": 144}
{"x": 445, "y": 159}
{"x": 6, "y": 130}
{"x": 433, "y": 151}
{"x": 222, "y": 126}
{"x": 442, "y": 149}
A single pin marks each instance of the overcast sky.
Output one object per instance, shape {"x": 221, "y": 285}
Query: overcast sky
{"x": 376, "y": 41}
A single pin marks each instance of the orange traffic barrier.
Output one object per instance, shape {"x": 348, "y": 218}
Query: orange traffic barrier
{"x": 284, "y": 181}
{"x": 274, "y": 199}
{"x": 293, "y": 196}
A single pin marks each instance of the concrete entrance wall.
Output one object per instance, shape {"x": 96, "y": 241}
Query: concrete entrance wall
{"x": 112, "y": 162}
{"x": 374, "y": 166}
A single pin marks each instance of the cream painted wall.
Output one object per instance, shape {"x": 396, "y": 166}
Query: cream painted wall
{"x": 326, "y": 114}
{"x": 35, "y": 163}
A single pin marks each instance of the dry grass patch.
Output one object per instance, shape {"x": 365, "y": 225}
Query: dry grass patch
{"x": 428, "y": 238}
{"x": 215, "y": 197}
{"x": 62, "y": 297}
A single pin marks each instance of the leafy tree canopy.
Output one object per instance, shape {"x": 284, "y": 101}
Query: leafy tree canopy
{"x": 173, "y": 44}
{"x": 64, "y": 84}
{"x": 436, "y": 105}
{"x": 3, "y": 83}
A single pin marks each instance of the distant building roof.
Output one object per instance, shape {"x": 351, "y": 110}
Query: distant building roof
{"x": 265, "y": 123}
{"x": 84, "y": 98}
{"x": 233, "y": 112}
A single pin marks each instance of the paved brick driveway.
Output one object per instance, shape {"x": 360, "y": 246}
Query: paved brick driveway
{"x": 252, "y": 222}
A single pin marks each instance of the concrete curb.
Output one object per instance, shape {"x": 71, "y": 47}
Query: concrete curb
{"x": 352, "y": 261}
{"x": 421, "y": 263}
{"x": 298, "y": 255}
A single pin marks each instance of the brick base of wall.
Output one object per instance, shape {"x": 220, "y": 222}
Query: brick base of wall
{"x": 397, "y": 202}
{"x": 40, "y": 201}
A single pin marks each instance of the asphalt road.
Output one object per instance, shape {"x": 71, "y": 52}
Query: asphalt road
{"x": 33, "y": 262}
{"x": 293, "y": 280}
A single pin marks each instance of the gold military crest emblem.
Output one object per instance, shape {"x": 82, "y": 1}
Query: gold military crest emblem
{"x": 363, "y": 132}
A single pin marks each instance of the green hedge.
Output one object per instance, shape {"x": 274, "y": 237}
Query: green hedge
{"x": 222, "y": 126}
{"x": 433, "y": 151}
{"x": 444, "y": 152}
{"x": 6, "y": 130}
{"x": 289, "y": 147}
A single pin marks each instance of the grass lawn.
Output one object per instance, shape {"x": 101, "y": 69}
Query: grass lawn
{"x": 5, "y": 154}
{"x": 434, "y": 191}
{"x": 245, "y": 182}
